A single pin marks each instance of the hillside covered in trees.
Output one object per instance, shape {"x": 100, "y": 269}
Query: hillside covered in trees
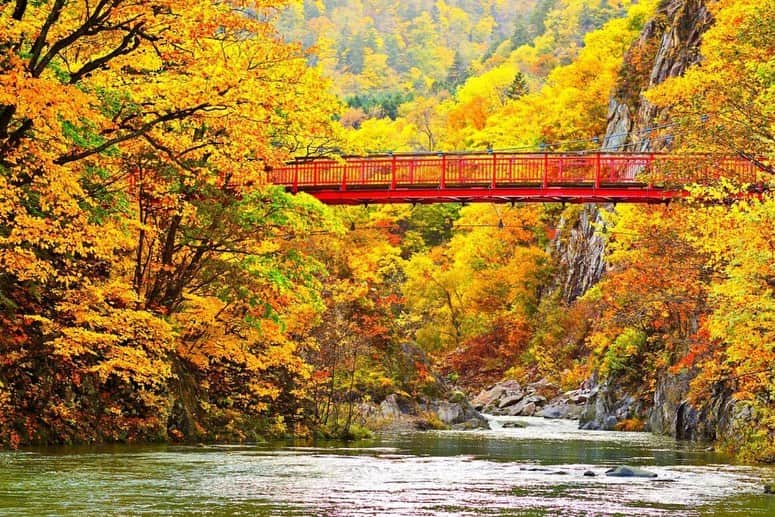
{"x": 153, "y": 287}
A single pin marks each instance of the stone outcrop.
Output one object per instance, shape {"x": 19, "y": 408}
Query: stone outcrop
{"x": 568, "y": 405}
{"x": 491, "y": 398}
{"x": 398, "y": 413}
{"x": 580, "y": 252}
{"x": 667, "y": 46}
{"x": 543, "y": 399}
{"x": 458, "y": 415}
{"x": 607, "y": 405}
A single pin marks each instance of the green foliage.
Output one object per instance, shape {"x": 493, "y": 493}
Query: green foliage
{"x": 518, "y": 88}
{"x": 84, "y": 135}
{"x": 434, "y": 223}
{"x": 379, "y": 104}
{"x": 623, "y": 352}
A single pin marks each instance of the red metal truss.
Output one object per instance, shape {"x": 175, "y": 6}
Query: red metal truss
{"x": 507, "y": 177}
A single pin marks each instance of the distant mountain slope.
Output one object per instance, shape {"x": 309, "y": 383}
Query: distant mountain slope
{"x": 374, "y": 47}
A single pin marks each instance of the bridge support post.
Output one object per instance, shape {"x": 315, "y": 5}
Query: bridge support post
{"x": 494, "y": 170}
{"x": 393, "y": 180}
{"x": 443, "y": 180}
{"x": 651, "y": 169}
{"x": 295, "y": 186}
{"x": 545, "y": 175}
{"x": 597, "y": 170}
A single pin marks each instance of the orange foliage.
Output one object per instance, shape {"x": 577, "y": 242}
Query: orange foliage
{"x": 631, "y": 425}
{"x": 120, "y": 144}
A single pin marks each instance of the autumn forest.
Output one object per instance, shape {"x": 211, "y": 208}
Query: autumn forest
{"x": 155, "y": 287}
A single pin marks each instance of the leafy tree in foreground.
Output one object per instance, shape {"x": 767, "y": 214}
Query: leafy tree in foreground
{"x": 131, "y": 156}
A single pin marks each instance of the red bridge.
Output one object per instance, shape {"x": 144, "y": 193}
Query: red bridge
{"x": 507, "y": 177}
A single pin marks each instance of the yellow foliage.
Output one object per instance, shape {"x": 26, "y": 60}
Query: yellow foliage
{"x": 728, "y": 103}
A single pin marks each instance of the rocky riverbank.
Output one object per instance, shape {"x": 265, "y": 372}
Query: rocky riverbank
{"x": 541, "y": 398}
{"x": 398, "y": 413}
{"x": 597, "y": 406}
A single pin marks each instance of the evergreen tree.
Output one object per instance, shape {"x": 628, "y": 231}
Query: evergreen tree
{"x": 518, "y": 87}
{"x": 458, "y": 72}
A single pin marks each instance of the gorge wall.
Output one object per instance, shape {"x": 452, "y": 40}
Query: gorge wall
{"x": 668, "y": 45}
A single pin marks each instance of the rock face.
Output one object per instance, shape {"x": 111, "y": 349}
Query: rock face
{"x": 667, "y": 46}
{"x": 389, "y": 408}
{"x": 509, "y": 398}
{"x": 606, "y": 406}
{"x": 400, "y": 413}
{"x": 579, "y": 251}
{"x": 668, "y": 403}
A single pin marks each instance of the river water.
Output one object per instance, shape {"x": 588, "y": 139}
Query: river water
{"x": 535, "y": 470}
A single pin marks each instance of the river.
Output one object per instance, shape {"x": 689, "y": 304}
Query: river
{"x": 535, "y": 470}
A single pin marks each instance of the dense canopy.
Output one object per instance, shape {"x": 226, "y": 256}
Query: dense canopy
{"x": 153, "y": 286}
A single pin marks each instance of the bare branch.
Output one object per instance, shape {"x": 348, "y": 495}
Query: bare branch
{"x": 129, "y": 43}
{"x": 19, "y": 10}
{"x": 143, "y": 129}
{"x": 40, "y": 41}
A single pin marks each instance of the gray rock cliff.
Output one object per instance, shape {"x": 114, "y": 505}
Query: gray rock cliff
{"x": 667, "y": 46}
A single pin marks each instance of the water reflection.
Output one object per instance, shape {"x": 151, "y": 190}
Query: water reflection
{"x": 538, "y": 469}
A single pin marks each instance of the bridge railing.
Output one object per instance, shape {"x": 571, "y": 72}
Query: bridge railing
{"x": 541, "y": 170}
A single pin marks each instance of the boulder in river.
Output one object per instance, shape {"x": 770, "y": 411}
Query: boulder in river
{"x": 623, "y": 471}
{"x": 401, "y": 413}
{"x": 468, "y": 425}
{"x": 455, "y": 413}
{"x": 568, "y": 405}
{"x": 493, "y": 395}
{"x": 540, "y": 398}
{"x": 526, "y": 407}
{"x": 560, "y": 409}
{"x": 510, "y": 400}
{"x": 450, "y": 412}
{"x": 513, "y": 425}
{"x": 529, "y": 409}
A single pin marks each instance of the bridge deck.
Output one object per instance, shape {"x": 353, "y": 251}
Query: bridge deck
{"x": 497, "y": 177}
